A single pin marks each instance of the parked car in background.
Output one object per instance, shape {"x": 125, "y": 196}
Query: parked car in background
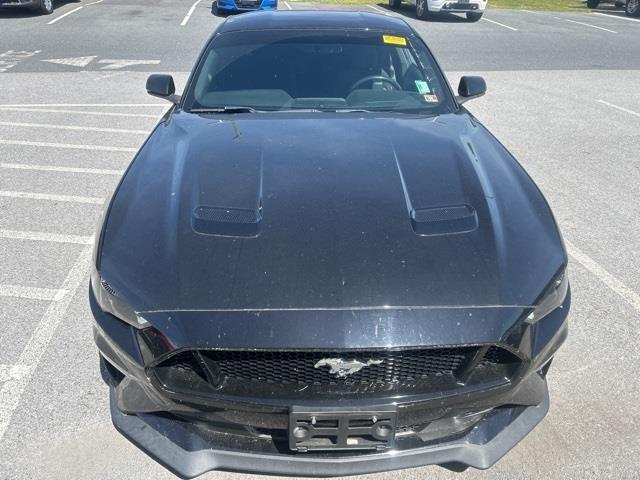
{"x": 425, "y": 8}
{"x": 222, "y": 7}
{"x": 43, "y": 6}
{"x": 631, "y": 7}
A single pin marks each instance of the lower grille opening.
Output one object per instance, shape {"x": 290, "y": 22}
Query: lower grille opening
{"x": 110, "y": 374}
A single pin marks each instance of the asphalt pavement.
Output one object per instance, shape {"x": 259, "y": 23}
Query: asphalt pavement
{"x": 563, "y": 96}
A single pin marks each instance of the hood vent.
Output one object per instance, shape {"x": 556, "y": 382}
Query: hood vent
{"x": 232, "y": 222}
{"x": 444, "y": 220}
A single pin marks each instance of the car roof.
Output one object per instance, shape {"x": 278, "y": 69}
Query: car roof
{"x": 292, "y": 20}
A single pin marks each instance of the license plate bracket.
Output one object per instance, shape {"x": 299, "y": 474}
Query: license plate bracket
{"x": 337, "y": 428}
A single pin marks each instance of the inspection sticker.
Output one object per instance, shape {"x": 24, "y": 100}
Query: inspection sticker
{"x": 393, "y": 40}
{"x": 431, "y": 98}
{"x": 422, "y": 87}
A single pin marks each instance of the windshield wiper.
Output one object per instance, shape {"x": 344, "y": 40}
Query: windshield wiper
{"x": 225, "y": 109}
{"x": 352, "y": 110}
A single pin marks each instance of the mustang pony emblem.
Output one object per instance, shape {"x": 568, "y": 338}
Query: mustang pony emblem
{"x": 341, "y": 368}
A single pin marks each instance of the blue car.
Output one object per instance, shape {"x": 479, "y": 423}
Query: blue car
{"x": 223, "y": 7}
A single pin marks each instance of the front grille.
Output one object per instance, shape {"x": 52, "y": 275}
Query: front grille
{"x": 299, "y": 367}
{"x": 303, "y": 374}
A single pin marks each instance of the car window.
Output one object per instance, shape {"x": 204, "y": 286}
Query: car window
{"x": 324, "y": 70}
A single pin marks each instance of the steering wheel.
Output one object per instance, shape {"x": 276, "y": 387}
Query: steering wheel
{"x": 380, "y": 78}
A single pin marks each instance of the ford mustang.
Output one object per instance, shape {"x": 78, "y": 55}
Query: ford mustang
{"x": 320, "y": 263}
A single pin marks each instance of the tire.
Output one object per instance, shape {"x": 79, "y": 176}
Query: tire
{"x": 474, "y": 16}
{"x": 394, "y": 4}
{"x": 45, "y": 7}
{"x": 216, "y": 11}
{"x": 632, "y": 8}
{"x": 422, "y": 9}
{"x": 593, "y": 3}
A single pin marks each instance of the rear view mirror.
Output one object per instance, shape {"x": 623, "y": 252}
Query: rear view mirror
{"x": 471, "y": 87}
{"x": 162, "y": 86}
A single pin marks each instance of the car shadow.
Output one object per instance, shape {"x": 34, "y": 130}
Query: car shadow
{"x": 409, "y": 11}
{"x": 8, "y": 13}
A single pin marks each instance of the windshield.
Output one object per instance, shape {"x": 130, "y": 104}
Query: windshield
{"x": 318, "y": 70}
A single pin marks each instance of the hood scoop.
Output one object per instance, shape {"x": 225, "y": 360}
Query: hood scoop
{"x": 444, "y": 220}
{"x": 231, "y": 222}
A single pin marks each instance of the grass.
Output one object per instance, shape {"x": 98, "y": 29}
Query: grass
{"x": 553, "y": 5}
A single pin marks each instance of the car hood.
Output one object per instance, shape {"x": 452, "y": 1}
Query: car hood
{"x": 326, "y": 211}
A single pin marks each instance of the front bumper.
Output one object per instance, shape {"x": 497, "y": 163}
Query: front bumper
{"x": 242, "y": 6}
{"x": 455, "y": 6}
{"x": 182, "y": 447}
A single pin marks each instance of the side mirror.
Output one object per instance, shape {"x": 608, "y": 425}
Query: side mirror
{"x": 162, "y": 86}
{"x": 471, "y": 87}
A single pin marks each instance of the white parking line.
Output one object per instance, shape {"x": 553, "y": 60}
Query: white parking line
{"x": 64, "y": 15}
{"x": 12, "y": 390}
{"x": 45, "y": 237}
{"x": 189, "y": 13}
{"x": 11, "y": 58}
{"x": 79, "y": 112}
{"x": 54, "y": 168}
{"x": 79, "y": 62}
{"x": 287, "y": 5}
{"x": 116, "y": 64}
{"x": 13, "y": 372}
{"x": 73, "y": 128}
{"x": 589, "y": 25}
{"x": 52, "y": 197}
{"x": 501, "y": 24}
{"x": 619, "y": 17}
{"x": 32, "y": 293}
{"x": 622, "y": 109}
{"x": 99, "y": 148}
{"x": 605, "y": 277}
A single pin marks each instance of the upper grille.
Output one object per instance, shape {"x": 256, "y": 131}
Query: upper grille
{"x": 298, "y": 367}
{"x": 294, "y": 375}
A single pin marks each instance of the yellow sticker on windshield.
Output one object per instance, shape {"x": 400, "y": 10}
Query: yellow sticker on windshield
{"x": 393, "y": 40}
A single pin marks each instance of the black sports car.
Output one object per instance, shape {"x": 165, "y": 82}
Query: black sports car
{"x": 319, "y": 263}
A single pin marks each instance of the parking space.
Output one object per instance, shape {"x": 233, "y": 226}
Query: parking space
{"x": 73, "y": 112}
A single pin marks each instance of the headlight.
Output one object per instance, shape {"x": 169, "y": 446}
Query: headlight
{"x": 110, "y": 301}
{"x": 552, "y": 298}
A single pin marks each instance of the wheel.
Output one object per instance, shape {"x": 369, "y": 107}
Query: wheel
{"x": 422, "y": 9}
{"x": 216, "y": 11}
{"x": 632, "y": 9}
{"x": 45, "y": 7}
{"x": 394, "y": 3}
{"x": 474, "y": 16}
{"x": 593, "y": 3}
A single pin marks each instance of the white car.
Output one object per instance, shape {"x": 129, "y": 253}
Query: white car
{"x": 425, "y": 8}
